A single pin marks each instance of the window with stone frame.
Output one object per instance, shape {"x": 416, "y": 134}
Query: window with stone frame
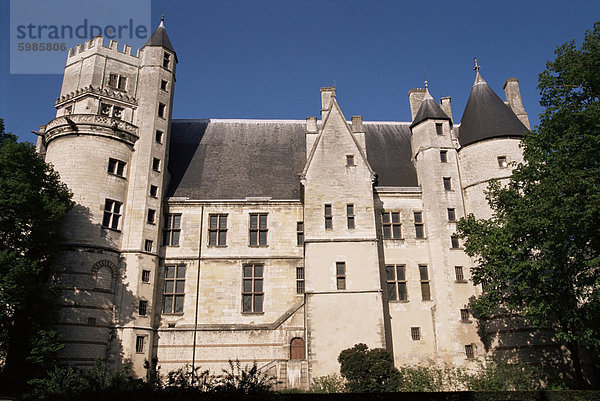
{"x": 164, "y": 84}
{"x": 454, "y": 242}
{"x": 465, "y": 315}
{"x": 300, "y": 280}
{"x": 458, "y": 273}
{"x": 350, "y": 160}
{"x": 415, "y": 333}
{"x": 139, "y": 344}
{"x": 439, "y": 128}
{"x": 112, "y": 214}
{"x": 447, "y": 183}
{"x": 145, "y": 276}
{"x": 151, "y": 216}
{"x": 174, "y": 289}
{"x": 166, "y": 60}
{"x": 110, "y": 110}
{"x": 443, "y": 156}
{"x": 391, "y": 226}
{"x": 162, "y": 110}
{"x": 148, "y": 245}
{"x": 451, "y": 215}
{"x": 116, "y": 167}
{"x": 425, "y": 288}
{"x": 172, "y": 229}
{"x": 154, "y": 191}
{"x": 258, "y": 229}
{"x": 300, "y": 233}
{"x": 117, "y": 81}
{"x": 469, "y": 351}
{"x": 217, "y": 230}
{"x": 142, "y": 307}
{"x": 350, "y": 215}
{"x": 158, "y": 136}
{"x": 340, "y": 275}
{"x": 396, "y": 282}
{"x": 419, "y": 226}
{"x": 328, "y": 217}
{"x": 502, "y": 162}
{"x": 252, "y": 288}
{"x": 156, "y": 164}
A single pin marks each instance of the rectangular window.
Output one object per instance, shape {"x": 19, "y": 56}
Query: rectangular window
{"x": 158, "y": 136}
{"x": 139, "y": 344}
{"x": 156, "y": 164}
{"x": 390, "y": 223}
{"x": 447, "y": 184}
{"x": 117, "y": 112}
{"x": 444, "y": 156}
{"x": 502, "y": 162}
{"x": 458, "y": 272}
{"x": 258, "y": 229}
{"x": 172, "y": 230}
{"x": 340, "y": 275}
{"x": 68, "y": 110}
{"x": 425, "y": 289}
{"x": 161, "y": 110}
{"x": 396, "y": 282}
{"x": 151, "y": 216}
{"x": 154, "y": 191}
{"x": 163, "y": 84}
{"x": 415, "y": 333}
{"x": 145, "y": 276}
{"x": 454, "y": 242}
{"x": 349, "y": 160}
{"x": 451, "y": 215}
{"x": 328, "y": 217}
{"x": 465, "y": 315}
{"x": 439, "y": 128}
{"x": 91, "y": 321}
{"x": 419, "y": 227}
{"x": 174, "y": 291}
{"x": 142, "y": 308}
{"x": 217, "y": 230}
{"x": 350, "y": 215}
{"x": 299, "y": 280}
{"x": 469, "y": 351}
{"x": 148, "y": 245}
{"x": 117, "y": 81}
{"x": 116, "y": 167}
{"x": 112, "y": 214}
{"x": 299, "y": 233}
{"x": 166, "y": 60}
{"x": 252, "y": 291}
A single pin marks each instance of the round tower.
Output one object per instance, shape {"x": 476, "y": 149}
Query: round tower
{"x": 489, "y": 136}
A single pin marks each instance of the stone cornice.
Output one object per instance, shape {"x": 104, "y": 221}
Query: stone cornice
{"x": 91, "y": 124}
{"x": 92, "y": 90}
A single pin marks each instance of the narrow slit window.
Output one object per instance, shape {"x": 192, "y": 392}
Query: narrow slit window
{"x": 154, "y": 191}
{"x": 419, "y": 227}
{"x": 158, "y": 137}
{"x": 299, "y": 280}
{"x": 340, "y": 275}
{"x": 328, "y": 217}
{"x": 156, "y": 165}
{"x": 458, "y": 273}
{"x": 425, "y": 288}
{"x": 300, "y": 233}
{"x": 350, "y": 215}
{"x": 454, "y": 242}
{"x": 139, "y": 344}
{"x": 162, "y": 110}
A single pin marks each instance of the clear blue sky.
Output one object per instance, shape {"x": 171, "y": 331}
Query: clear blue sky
{"x": 268, "y": 58}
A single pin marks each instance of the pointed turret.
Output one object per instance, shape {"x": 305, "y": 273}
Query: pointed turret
{"x": 429, "y": 109}
{"x": 487, "y": 116}
{"x": 160, "y": 37}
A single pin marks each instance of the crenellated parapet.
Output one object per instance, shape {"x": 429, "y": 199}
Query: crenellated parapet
{"x": 98, "y": 43}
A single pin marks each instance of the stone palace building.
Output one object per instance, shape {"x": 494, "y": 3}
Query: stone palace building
{"x": 277, "y": 241}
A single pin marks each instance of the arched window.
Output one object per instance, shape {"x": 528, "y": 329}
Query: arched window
{"x": 104, "y": 273}
{"x": 297, "y": 348}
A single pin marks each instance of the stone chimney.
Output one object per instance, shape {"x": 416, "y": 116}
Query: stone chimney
{"x": 357, "y": 124}
{"x": 513, "y": 98}
{"x": 446, "y": 107}
{"x": 311, "y": 125}
{"x": 415, "y": 97}
{"x": 327, "y": 94}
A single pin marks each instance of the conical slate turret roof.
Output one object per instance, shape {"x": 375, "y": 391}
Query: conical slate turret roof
{"x": 429, "y": 109}
{"x": 487, "y": 116}
{"x": 160, "y": 37}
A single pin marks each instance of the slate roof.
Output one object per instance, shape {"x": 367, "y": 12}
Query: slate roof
{"x": 160, "y": 38}
{"x": 235, "y": 159}
{"x": 429, "y": 109}
{"x": 487, "y": 116}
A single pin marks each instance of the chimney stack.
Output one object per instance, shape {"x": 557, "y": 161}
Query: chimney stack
{"x": 513, "y": 98}
{"x": 415, "y": 97}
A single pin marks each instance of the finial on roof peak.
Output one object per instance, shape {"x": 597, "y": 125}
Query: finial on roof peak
{"x": 162, "y": 20}
{"x": 477, "y": 66}
{"x": 426, "y": 84}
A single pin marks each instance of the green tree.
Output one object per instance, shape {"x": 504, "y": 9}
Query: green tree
{"x": 368, "y": 370}
{"x": 33, "y": 203}
{"x": 539, "y": 254}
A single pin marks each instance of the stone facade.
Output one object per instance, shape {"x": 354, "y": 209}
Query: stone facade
{"x": 275, "y": 242}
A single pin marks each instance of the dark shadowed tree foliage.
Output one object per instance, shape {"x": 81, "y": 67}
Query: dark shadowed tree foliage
{"x": 33, "y": 203}
{"x": 368, "y": 370}
{"x": 539, "y": 254}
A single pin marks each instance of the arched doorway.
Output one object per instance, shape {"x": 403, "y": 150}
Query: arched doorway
{"x": 297, "y": 348}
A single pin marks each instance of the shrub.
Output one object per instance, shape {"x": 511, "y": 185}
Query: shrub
{"x": 368, "y": 370}
{"x": 246, "y": 380}
{"x": 328, "y": 384}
